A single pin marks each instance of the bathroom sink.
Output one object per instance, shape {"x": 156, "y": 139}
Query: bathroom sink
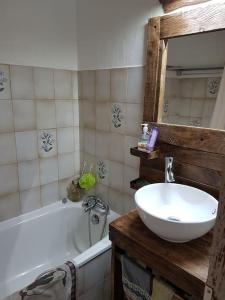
{"x": 176, "y": 212}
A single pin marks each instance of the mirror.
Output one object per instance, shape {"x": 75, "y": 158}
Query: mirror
{"x": 195, "y": 67}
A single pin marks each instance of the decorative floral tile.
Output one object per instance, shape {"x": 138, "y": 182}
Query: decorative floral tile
{"x": 47, "y": 143}
{"x": 213, "y": 86}
{"x": 4, "y": 82}
{"x": 102, "y": 171}
{"x": 117, "y": 115}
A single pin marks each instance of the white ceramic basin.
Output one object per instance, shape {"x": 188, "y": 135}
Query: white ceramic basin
{"x": 176, "y": 212}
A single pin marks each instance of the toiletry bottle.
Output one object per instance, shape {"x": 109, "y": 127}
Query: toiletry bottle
{"x": 152, "y": 139}
{"x": 143, "y": 140}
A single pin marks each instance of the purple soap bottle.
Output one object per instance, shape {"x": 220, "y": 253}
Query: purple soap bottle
{"x": 152, "y": 139}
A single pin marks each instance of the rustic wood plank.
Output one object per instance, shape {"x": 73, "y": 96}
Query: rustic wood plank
{"x": 216, "y": 278}
{"x": 153, "y": 175}
{"x": 161, "y": 81}
{"x": 170, "y": 5}
{"x": 198, "y": 20}
{"x": 116, "y": 276}
{"x": 185, "y": 170}
{"x": 207, "y": 140}
{"x": 153, "y": 48}
{"x": 185, "y": 265}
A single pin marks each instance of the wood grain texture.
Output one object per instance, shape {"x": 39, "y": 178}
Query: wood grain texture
{"x": 207, "y": 140}
{"x": 216, "y": 278}
{"x": 153, "y": 48}
{"x": 170, "y": 5}
{"x": 185, "y": 265}
{"x": 161, "y": 80}
{"x": 199, "y": 20}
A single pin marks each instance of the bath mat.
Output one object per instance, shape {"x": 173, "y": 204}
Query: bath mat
{"x": 54, "y": 284}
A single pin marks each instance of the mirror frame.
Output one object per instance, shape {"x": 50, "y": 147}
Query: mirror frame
{"x": 201, "y": 19}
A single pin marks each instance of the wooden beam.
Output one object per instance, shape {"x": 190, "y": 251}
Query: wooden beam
{"x": 198, "y": 20}
{"x": 170, "y": 5}
{"x": 152, "y": 65}
{"x": 216, "y": 277}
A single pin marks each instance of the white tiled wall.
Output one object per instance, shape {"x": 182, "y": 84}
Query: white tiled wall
{"x": 111, "y": 103}
{"x": 190, "y": 101}
{"x": 39, "y": 136}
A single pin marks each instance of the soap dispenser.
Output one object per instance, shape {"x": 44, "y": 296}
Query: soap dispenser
{"x": 143, "y": 140}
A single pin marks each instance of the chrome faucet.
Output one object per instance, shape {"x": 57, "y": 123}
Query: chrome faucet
{"x": 169, "y": 177}
{"x": 92, "y": 202}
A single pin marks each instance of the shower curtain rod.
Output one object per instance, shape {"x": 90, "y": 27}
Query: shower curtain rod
{"x": 181, "y": 69}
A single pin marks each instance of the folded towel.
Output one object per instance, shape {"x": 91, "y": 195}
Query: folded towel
{"x": 136, "y": 280}
{"x": 162, "y": 290}
{"x": 55, "y": 284}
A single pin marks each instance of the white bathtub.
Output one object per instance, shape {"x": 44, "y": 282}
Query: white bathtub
{"x": 46, "y": 238}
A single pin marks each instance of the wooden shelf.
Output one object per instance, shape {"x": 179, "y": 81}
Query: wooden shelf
{"x": 184, "y": 265}
{"x": 138, "y": 183}
{"x": 143, "y": 154}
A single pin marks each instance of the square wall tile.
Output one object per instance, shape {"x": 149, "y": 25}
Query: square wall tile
{"x": 66, "y": 165}
{"x": 129, "y": 159}
{"x": 116, "y": 149}
{"x": 129, "y": 175}
{"x": 64, "y": 113}
{"x": 8, "y": 179}
{"x": 77, "y": 163}
{"x": 133, "y": 119}
{"x": 199, "y": 87}
{"x": 22, "y": 82}
{"x": 5, "y": 92}
{"x": 28, "y": 174}
{"x": 46, "y": 114}
{"x": 24, "y": 115}
{"x": 88, "y": 115}
{"x": 26, "y": 145}
{"x": 102, "y": 170}
{"x": 102, "y": 192}
{"x": 63, "y": 84}
{"x": 118, "y": 85}
{"x": 103, "y": 116}
{"x": 183, "y": 107}
{"x": 87, "y": 85}
{"x": 89, "y": 141}
{"x": 6, "y": 116}
{"x": 9, "y": 206}
{"x": 102, "y": 144}
{"x": 208, "y": 108}
{"x": 48, "y": 170}
{"x": 116, "y": 201}
{"x": 76, "y": 138}
{"x": 102, "y": 85}
{"x": 43, "y": 83}
{"x": 197, "y": 107}
{"x": 47, "y": 143}
{"x": 65, "y": 137}
{"x": 117, "y": 118}
{"x": 76, "y": 117}
{"x": 49, "y": 193}
{"x": 62, "y": 187}
{"x": 186, "y": 88}
{"x": 30, "y": 200}
{"x": 135, "y": 85}
{"x": 116, "y": 173}
{"x": 75, "y": 84}
{"x": 7, "y": 148}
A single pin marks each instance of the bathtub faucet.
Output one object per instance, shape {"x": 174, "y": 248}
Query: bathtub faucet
{"x": 169, "y": 177}
{"x": 92, "y": 202}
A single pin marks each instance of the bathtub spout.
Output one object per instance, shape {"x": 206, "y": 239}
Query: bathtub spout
{"x": 92, "y": 202}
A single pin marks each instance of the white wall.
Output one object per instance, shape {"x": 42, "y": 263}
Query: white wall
{"x": 111, "y": 32}
{"x": 38, "y": 33}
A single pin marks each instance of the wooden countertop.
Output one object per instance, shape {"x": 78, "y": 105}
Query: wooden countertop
{"x": 184, "y": 265}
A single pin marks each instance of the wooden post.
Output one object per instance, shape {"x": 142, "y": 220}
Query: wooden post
{"x": 216, "y": 278}
{"x": 116, "y": 276}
